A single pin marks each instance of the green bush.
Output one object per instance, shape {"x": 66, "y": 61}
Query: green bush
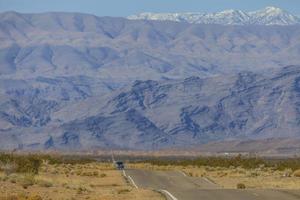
{"x": 241, "y": 186}
{"x": 20, "y": 163}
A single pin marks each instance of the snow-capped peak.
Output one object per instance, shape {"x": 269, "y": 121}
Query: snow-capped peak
{"x": 270, "y": 11}
{"x": 273, "y": 16}
{"x": 267, "y": 16}
{"x": 273, "y": 9}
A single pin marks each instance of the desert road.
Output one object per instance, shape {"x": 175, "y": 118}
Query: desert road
{"x": 177, "y": 186}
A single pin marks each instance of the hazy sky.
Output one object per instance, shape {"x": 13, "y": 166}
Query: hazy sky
{"x": 128, "y": 7}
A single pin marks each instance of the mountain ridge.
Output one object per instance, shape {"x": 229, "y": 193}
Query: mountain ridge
{"x": 97, "y": 46}
{"x": 267, "y": 16}
{"x": 75, "y": 81}
{"x": 154, "y": 115}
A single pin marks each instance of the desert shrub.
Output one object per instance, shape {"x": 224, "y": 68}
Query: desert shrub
{"x": 29, "y": 165}
{"x": 122, "y": 191}
{"x": 103, "y": 175}
{"x": 297, "y": 173}
{"x": 44, "y": 183}
{"x": 27, "y": 180}
{"x": 8, "y": 168}
{"x": 223, "y": 162}
{"x": 68, "y": 159}
{"x": 87, "y": 174}
{"x": 54, "y": 171}
{"x": 81, "y": 190}
{"x": 222, "y": 174}
{"x": 79, "y": 172}
{"x": 13, "y": 178}
{"x": 35, "y": 197}
{"x": 253, "y": 174}
{"x": 241, "y": 186}
{"x": 4, "y": 178}
{"x": 245, "y": 162}
{"x": 20, "y": 163}
{"x": 287, "y": 173}
{"x": 292, "y": 163}
{"x": 95, "y": 173}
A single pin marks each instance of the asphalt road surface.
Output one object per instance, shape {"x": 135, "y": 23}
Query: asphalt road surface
{"x": 177, "y": 186}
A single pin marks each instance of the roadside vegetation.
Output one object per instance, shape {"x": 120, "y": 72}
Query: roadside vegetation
{"x": 55, "y": 177}
{"x": 236, "y": 161}
{"x": 71, "y": 177}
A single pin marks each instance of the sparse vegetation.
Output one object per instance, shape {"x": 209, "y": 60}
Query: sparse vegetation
{"x": 39, "y": 176}
{"x": 230, "y": 162}
{"x": 241, "y": 186}
{"x": 10, "y": 163}
{"x": 27, "y": 180}
{"x": 55, "y": 177}
{"x": 123, "y": 191}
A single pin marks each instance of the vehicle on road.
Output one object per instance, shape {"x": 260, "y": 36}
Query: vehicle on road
{"x": 119, "y": 165}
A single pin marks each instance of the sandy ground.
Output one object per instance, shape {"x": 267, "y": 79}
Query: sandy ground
{"x": 69, "y": 182}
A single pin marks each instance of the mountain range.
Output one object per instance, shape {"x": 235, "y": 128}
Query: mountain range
{"x": 72, "y": 81}
{"x": 267, "y": 16}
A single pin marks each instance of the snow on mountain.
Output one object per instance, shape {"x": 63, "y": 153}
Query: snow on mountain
{"x": 273, "y": 16}
{"x": 266, "y": 16}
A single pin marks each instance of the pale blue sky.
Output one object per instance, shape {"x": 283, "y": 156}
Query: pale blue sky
{"x": 128, "y": 7}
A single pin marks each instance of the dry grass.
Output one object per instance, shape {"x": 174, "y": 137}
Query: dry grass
{"x": 70, "y": 182}
{"x": 297, "y": 173}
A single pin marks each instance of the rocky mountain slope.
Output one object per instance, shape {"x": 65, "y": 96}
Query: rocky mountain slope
{"x": 73, "y": 81}
{"x": 160, "y": 114}
{"x": 55, "y": 44}
{"x": 266, "y": 16}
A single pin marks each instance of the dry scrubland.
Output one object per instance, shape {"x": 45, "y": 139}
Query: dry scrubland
{"x": 37, "y": 180}
{"x": 237, "y": 172}
{"x": 37, "y": 177}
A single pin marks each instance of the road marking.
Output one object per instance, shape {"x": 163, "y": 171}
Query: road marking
{"x": 209, "y": 181}
{"x": 181, "y": 172}
{"x": 256, "y": 194}
{"x": 132, "y": 181}
{"x": 168, "y": 193}
{"x": 124, "y": 174}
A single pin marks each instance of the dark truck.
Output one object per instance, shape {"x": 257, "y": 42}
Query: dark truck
{"x": 119, "y": 165}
